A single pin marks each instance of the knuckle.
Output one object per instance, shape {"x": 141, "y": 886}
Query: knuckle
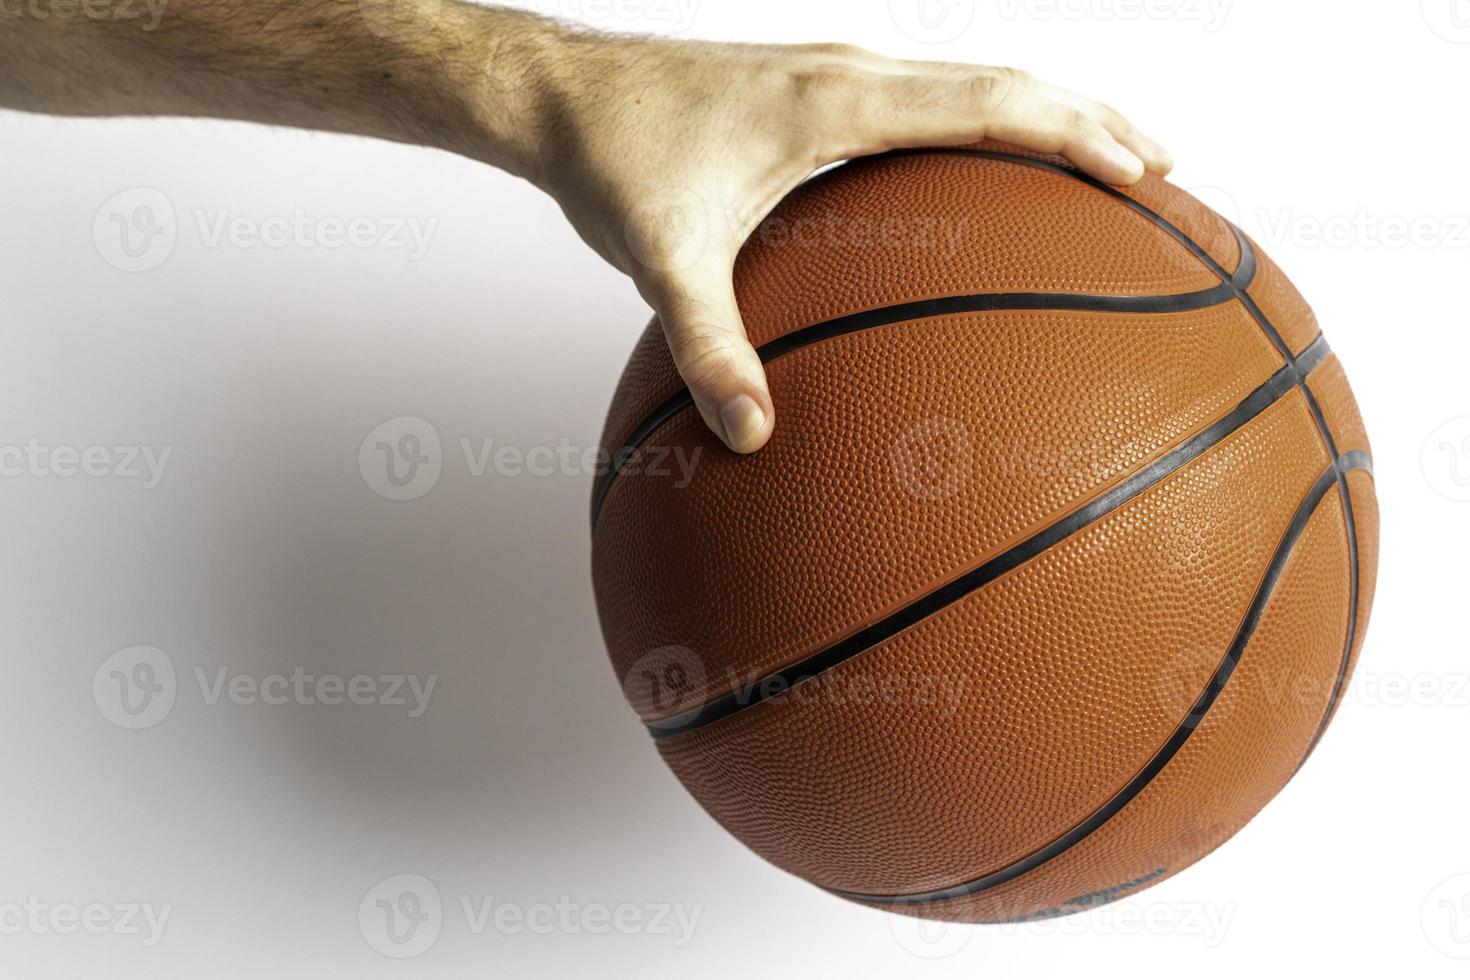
{"x": 1078, "y": 122}
{"x": 992, "y": 90}
{"x": 826, "y": 86}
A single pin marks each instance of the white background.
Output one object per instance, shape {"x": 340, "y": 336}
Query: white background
{"x": 262, "y": 828}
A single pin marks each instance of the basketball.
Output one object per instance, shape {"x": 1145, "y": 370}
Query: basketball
{"x": 1054, "y": 570}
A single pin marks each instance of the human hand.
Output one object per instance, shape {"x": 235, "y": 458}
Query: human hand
{"x": 666, "y": 155}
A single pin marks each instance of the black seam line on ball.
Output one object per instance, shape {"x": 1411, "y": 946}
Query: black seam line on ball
{"x": 1350, "y": 528}
{"x": 1203, "y": 299}
{"x": 1345, "y": 500}
{"x": 1276, "y": 387}
{"x": 1182, "y": 733}
{"x": 1240, "y": 282}
{"x": 1231, "y": 287}
{"x": 1293, "y": 374}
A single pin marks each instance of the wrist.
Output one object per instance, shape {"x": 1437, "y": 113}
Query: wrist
{"x": 498, "y": 80}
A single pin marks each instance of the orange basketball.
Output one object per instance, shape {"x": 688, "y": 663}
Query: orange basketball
{"x": 1054, "y": 570}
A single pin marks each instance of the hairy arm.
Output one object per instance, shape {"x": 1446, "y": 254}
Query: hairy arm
{"x": 449, "y": 75}
{"x": 610, "y": 126}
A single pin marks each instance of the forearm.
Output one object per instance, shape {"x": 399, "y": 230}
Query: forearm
{"x": 467, "y": 79}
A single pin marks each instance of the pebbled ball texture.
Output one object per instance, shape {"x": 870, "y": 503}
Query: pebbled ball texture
{"x": 1115, "y": 562}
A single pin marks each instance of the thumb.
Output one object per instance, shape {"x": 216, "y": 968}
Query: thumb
{"x": 706, "y": 336}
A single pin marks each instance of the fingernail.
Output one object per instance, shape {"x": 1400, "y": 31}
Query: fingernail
{"x": 743, "y": 420}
